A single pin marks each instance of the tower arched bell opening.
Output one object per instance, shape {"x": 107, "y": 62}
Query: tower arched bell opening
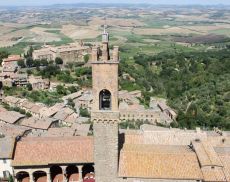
{"x": 105, "y": 100}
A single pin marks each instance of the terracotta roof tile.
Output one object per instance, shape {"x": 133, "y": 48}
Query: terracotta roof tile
{"x": 11, "y": 116}
{"x": 72, "y": 118}
{"x": 13, "y": 130}
{"x": 224, "y": 155}
{"x": 157, "y": 162}
{"x": 213, "y": 174}
{"x": 63, "y": 113}
{"x": 64, "y": 131}
{"x": 206, "y": 154}
{"x": 37, "y": 123}
{"x": 6, "y": 147}
{"x": 53, "y": 150}
{"x": 12, "y": 58}
{"x": 51, "y": 110}
{"x": 36, "y": 109}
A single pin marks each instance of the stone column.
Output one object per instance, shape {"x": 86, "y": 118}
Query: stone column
{"x": 15, "y": 179}
{"x": 31, "y": 176}
{"x": 80, "y": 173}
{"x": 64, "y": 172}
{"x": 48, "y": 177}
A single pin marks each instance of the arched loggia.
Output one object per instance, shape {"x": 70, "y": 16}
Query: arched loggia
{"x": 72, "y": 173}
{"x": 56, "y": 173}
{"x": 88, "y": 173}
{"x": 23, "y": 176}
{"x": 39, "y": 176}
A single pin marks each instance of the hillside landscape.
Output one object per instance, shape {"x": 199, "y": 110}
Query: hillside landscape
{"x": 179, "y": 53}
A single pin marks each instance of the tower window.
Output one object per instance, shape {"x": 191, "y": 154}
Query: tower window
{"x": 105, "y": 100}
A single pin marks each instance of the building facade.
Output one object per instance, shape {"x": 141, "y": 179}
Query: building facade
{"x": 6, "y": 154}
{"x": 69, "y": 53}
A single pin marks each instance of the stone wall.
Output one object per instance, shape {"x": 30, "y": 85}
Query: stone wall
{"x": 152, "y": 116}
{"x": 106, "y": 151}
{"x": 105, "y": 77}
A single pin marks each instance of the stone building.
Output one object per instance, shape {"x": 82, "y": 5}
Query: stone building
{"x": 10, "y": 79}
{"x": 9, "y": 75}
{"x": 68, "y": 53}
{"x": 135, "y": 112}
{"x": 11, "y": 61}
{"x": 38, "y": 83}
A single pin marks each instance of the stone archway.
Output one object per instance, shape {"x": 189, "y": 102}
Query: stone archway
{"x": 23, "y": 176}
{"x": 88, "y": 173}
{"x": 72, "y": 173}
{"x": 40, "y": 176}
{"x": 56, "y": 174}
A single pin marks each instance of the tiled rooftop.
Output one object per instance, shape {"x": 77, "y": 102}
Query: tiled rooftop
{"x": 12, "y": 58}
{"x": 53, "y": 150}
{"x": 6, "y": 147}
{"x": 10, "y": 116}
{"x": 157, "y": 162}
{"x": 13, "y": 130}
{"x": 37, "y": 123}
{"x": 206, "y": 154}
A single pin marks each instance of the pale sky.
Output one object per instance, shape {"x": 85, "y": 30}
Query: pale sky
{"x": 50, "y": 2}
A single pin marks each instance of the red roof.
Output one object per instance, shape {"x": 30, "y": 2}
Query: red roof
{"x": 12, "y": 58}
{"x": 34, "y": 151}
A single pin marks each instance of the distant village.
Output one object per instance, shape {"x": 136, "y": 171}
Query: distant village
{"x": 20, "y": 117}
{"x": 12, "y": 75}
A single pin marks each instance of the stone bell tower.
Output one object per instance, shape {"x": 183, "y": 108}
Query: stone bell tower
{"x": 105, "y": 113}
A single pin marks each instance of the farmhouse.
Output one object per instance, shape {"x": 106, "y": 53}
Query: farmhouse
{"x": 68, "y": 53}
{"x": 38, "y": 83}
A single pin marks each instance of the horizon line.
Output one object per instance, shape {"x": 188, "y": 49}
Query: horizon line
{"x": 114, "y": 3}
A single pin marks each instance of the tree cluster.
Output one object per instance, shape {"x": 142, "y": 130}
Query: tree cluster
{"x": 196, "y": 84}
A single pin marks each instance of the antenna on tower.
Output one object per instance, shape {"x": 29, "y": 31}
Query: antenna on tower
{"x": 105, "y": 25}
{"x": 105, "y": 35}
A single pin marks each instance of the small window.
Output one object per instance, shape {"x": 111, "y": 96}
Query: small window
{"x": 4, "y": 161}
{"x": 105, "y": 100}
